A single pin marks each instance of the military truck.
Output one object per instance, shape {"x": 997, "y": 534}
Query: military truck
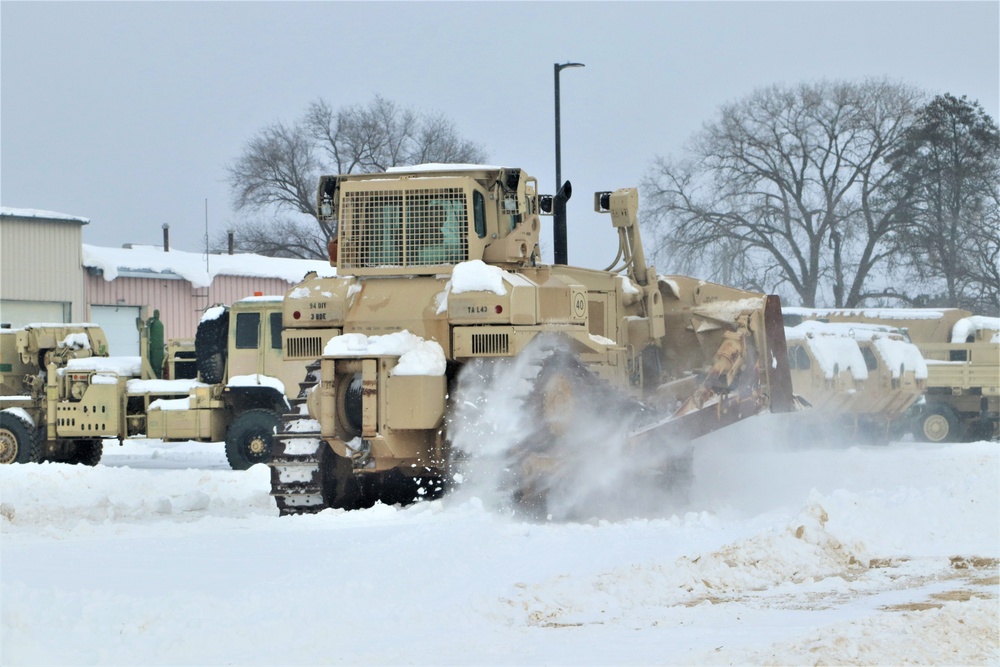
{"x": 440, "y": 278}
{"x": 962, "y": 353}
{"x": 62, "y": 393}
{"x": 860, "y": 380}
{"x": 29, "y": 383}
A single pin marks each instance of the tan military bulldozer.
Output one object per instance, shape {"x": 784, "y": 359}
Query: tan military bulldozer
{"x": 441, "y": 292}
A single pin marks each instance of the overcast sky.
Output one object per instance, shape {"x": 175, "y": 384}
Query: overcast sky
{"x": 128, "y": 113}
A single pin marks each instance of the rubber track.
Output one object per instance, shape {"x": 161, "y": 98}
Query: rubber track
{"x": 296, "y": 479}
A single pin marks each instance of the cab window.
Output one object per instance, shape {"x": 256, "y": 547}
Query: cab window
{"x": 276, "y": 330}
{"x": 247, "y": 330}
{"x": 479, "y": 211}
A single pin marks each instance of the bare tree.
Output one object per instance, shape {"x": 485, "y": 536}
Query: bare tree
{"x": 277, "y": 173}
{"x": 782, "y": 191}
{"x": 276, "y": 237}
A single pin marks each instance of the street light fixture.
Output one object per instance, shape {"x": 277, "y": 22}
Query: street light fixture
{"x": 559, "y": 219}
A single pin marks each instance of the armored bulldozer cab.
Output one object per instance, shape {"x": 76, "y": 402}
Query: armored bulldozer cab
{"x": 421, "y": 221}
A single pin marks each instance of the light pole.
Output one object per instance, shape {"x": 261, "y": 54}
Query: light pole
{"x": 559, "y": 220}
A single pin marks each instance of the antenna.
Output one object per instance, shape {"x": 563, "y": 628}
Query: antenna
{"x": 208, "y": 291}
{"x": 206, "y": 234}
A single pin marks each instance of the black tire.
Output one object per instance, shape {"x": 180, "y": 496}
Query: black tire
{"x": 250, "y": 438}
{"x": 19, "y": 440}
{"x": 210, "y": 344}
{"x": 86, "y": 452}
{"x": 938, "y": 423}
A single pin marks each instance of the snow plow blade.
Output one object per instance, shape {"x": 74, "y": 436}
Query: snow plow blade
{"x": 746, "y": 374}
{"x": 749, "y": 372}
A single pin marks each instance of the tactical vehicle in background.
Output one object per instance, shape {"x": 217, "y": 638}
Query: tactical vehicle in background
{"x": 860, "y": 380}
{"x": 962, "y": 353}
{"x": 440, "y": 281}
{"x": 37, "y": 400}
{"x": 62, "y": 393}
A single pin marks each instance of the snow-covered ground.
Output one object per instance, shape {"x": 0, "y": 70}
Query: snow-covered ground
{"x": 786, "y": 554}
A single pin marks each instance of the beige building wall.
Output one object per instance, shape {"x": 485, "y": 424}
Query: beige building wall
{"x": 41, "y": 263}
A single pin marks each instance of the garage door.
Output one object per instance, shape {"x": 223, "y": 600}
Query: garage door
{"x": 118, "y": 323}
{"x": 19, "y": 313}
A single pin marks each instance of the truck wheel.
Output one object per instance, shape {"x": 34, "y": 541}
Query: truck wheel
{"x": 86, "y": 452}
{"x": 19, "y": 441}
{"x": 250, "y": 438}
{"x": 210, "y": 348}
{"x": 938, "y": 423}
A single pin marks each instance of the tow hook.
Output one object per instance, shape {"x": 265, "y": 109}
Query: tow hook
{"x": 361, "y": 457}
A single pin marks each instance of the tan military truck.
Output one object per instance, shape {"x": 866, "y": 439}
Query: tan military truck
{"x": 962, "y": 353}
{"x": 29, "y": 360}
{"x": 440, "y": 282}
{"x": 240, "y": 388}
{"x": 62, "y": 393}
{"x": 860, "y": 380}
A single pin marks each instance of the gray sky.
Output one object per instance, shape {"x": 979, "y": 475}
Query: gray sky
{"x": 128, "y": 113}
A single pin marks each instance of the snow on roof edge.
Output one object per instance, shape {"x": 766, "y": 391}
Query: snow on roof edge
{"x": 42, "y": 215}
{"x": 192, "y": 266}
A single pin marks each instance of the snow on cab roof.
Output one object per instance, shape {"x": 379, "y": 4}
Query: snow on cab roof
{"x": 192, "y": 266}
{"x": 443, "y": 166}
{"x": 42, "y": 215}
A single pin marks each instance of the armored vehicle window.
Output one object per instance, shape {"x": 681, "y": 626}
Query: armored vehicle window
{"x": 384, "y": 232}
{"x": 479, "y": 211}
{"x": 959, "y": 355}
{"x": 276, "y": 331}
{"x": 247, "y": 330}
{"x": 798, "y": 358}
{"x": 435, "y": 227}
{"x": 418, "y": 227}
{"x": 871, "y": 362}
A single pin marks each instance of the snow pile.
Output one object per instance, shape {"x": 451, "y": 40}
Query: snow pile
{"x": 728, "y": 311}
{"x": 76, "y": 341}
{"x": 212, "y": 313}
{"x": 88, "y": 500}
{"x": 968, "y": 327}
{"x": 628, "y": 287}
{"x": 171, "y": 404}
{"x": 477, "y": 276}
{"x": 139, "y": 387}
{"x": 194, "y": 268}
{"x": 416, "y": 355}
{"x": 786, "y": 554}
{"x": 473, "y": 276}
{"x": 257, "y": 380}
{"x": 122, "y": 366}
